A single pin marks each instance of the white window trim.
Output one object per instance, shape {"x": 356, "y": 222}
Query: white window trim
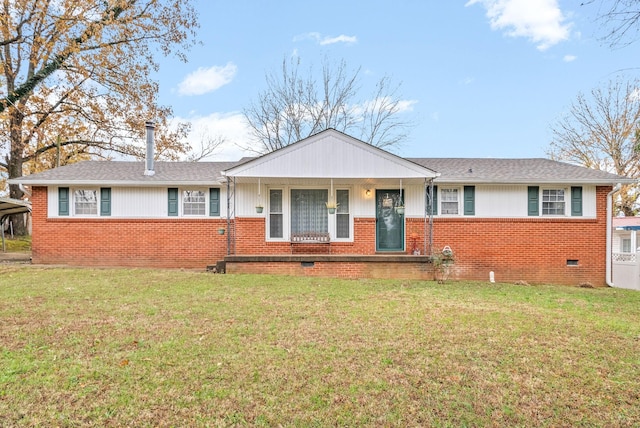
{"x": 567, "y": 203}
{"x": 333, "y": 222}
{"x": 286, "y": 212}
{"x": 181, "y": 191}
{"x": 72, "y": 201}
{"x": 285, "y": 217}
{"x": 441, "y": 201}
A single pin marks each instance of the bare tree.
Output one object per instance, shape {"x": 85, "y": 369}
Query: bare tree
{"x": 75, "y": 79}
{"x": 600, "y": 132}
{"x": 295, "y": 106}
{"x": 620, "y": 18}
{"x": 206, "y": 147}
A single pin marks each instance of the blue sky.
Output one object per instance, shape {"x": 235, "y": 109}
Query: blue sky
{"x": 482, "y": 78}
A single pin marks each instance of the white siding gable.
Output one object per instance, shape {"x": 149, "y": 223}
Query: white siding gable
{"x": 331, "y": 154}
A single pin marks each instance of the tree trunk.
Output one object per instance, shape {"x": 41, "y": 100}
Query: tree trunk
{"x": 15, "y": 161}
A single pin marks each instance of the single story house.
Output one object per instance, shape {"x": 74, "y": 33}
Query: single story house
{"x": 330, "y": 205}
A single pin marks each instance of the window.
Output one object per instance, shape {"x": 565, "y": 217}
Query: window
{"x": 309, "y": 210}
{"x": 342, "y": 214}
{"x": 625, "y": 245}
{"x": 85, "y": 202}
{"x": 449, "y": 201}
{"x": 194, "y": 202}
{"x": 553, "y": 202}
{"x": 275, "y": 213}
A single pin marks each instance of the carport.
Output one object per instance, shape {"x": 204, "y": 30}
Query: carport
{"x": 10, "y": 206}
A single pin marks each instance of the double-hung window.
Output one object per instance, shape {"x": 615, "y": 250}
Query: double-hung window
{"x": 276, "y": 227}
{"x": 553, "y": 202}
{"x": 194, "y": 202}
{"x": 449, "y": 201}
{"x": 85, "y": 202}
{"x": 342, "y": 215}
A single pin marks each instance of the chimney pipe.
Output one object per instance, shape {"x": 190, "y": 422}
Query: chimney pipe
{"x": 150, "y": 149}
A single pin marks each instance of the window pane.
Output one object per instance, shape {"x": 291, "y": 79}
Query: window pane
{"x": 342, "y": 198}
{"x": 342, "y": 216}
{"x": 275, "y": 214}
{"x": 626, "y": 245}
{"x": 86, "y": 202}
{"x": 275, "y": 201}
{"x": 309, "y": 211}
{"x": 553, "y": 202}
{"x": 449, "y": 203}
{"x": 193, "y": 202}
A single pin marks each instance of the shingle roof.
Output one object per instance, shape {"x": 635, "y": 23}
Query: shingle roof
{"x": 131, "y": 173}
{"x": 493, "y": 170}
{"x": 452, "y": 170}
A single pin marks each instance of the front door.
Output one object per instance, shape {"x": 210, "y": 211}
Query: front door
{"x": 389, "y": 224}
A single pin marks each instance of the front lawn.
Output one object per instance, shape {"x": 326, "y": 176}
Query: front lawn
{"x": 118, "y": 347}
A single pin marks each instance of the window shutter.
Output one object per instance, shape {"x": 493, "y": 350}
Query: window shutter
{"x": 469, "y": 200}
{"x": 434, "y": 200}
{"x": 105, "y": 201}
{"x": 576, "y": 201}
{"x": 173, "y": 201}
{"x": 63, "y": 201}
{"x": 214, "y": 201}
{"x": 534, "y": 201}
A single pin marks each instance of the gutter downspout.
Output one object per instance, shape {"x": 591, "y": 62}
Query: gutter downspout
{"x": 609, "y": 272}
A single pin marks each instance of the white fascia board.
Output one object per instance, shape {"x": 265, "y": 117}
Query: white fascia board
{"x": 536, "y": 181}
{"x": 98, "y": 183}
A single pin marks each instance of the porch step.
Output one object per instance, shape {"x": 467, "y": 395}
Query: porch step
{"x": 219, "y": 267}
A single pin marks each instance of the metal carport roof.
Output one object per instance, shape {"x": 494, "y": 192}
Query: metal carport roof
{"x": 9, "y": 206}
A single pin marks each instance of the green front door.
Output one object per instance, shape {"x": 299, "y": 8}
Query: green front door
{"x": 389, "y": 224}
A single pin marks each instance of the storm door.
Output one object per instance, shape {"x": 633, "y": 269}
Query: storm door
{"x": 389, "y": 221}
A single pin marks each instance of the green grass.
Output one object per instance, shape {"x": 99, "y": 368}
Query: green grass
{"x": 85, "y": 347}
{"x": 17, "y": 244}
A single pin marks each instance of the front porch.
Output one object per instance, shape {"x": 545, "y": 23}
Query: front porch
{"x": 383, "y": 266}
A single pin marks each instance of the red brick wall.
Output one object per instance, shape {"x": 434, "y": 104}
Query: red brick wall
{"x": 170, "y": 243}
{"x": 532, "y": 249}
{"x": 351, "y": 270}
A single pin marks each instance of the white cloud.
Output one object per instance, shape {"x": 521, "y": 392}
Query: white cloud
{"x": 406, "y": 105}
{"x": 326, "y": 40}
{"x": 635, "y": 96}
{"x": 540, "y": 21}
{"x": 230, "y": 126}
{"x": 205, "y": 80}
{"x": 339, "y": 39}
{"x": 569, "y": 58}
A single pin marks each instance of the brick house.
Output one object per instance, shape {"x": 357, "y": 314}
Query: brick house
{"x": 522, "y": 219}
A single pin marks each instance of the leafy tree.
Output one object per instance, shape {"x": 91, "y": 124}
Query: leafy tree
{"x": 75, "y": 79}
{"x": 600, "y": 131}
{"x": 296, "y": 105}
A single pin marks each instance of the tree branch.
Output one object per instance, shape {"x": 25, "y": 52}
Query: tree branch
{"x": 59, "y": 59}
